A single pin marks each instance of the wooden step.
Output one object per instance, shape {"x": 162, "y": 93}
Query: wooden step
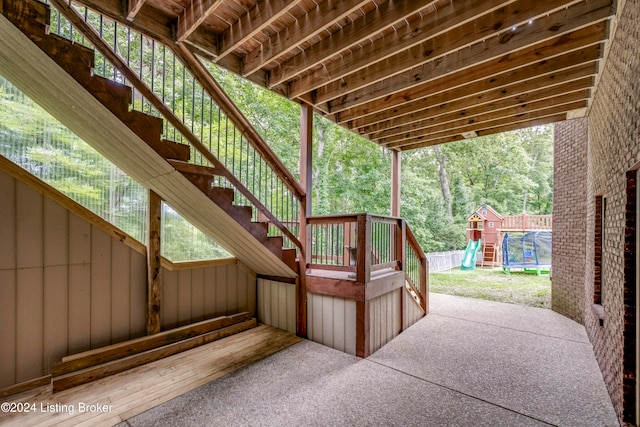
{"x": 242, "y": 214}
{"x": 113, "y": 95}
{"x": 148, "y": 128}
{"x": 274, "y": 244}
{"x": 223, "y": 197}
{"x": 113, "y": 367}
{"x": 32, "y": 18}
{"x": 289, "y": 258}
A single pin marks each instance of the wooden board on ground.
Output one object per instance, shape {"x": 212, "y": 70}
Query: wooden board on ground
{"x": 132, "y": 392}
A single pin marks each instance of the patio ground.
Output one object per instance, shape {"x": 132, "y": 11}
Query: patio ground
{"x": 469, "y": 363}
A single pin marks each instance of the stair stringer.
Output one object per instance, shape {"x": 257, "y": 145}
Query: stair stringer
{"x": 43, "y": 80}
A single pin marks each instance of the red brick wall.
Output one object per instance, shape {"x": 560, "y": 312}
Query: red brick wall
{"x": 596, "y": 163}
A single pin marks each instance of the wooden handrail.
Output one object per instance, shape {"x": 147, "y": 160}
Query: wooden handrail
{"x": 92, "y": 35}
{"x": 237, "y": 118}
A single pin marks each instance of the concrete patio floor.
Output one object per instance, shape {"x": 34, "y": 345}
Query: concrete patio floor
{"x": 469, "y": 363}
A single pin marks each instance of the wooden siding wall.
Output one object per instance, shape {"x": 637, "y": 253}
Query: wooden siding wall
{"x": 412, "y": 310}
{"x": 65, "y": 285}
{"x": 68, "y": 285}
{"x": 277, "y": 304}
{"x": 385, "y": 319}
{"x": 331, "y": 321}
{"x": 192, "y": 295}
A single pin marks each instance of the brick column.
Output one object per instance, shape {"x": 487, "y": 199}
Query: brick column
{"x": 570, "y": 203}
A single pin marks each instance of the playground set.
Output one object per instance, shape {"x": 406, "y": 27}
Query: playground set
{"x": 514, "y": 241}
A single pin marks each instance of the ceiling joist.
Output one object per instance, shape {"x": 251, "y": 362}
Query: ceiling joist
{"x": 403, "y": 73}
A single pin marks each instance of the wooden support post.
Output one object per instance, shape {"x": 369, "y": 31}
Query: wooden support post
{"x": 363, "y": 329}
{"x": 154, "y": 290}
{"x": 396, "y": 161}
{"x": 363, "y": 252}
{"x": 306, "y": 206}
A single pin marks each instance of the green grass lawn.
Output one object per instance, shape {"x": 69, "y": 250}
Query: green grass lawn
{"x": 492, "y": 284}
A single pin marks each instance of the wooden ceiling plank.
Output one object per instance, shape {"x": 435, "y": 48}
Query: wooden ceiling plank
{"x": 520, "y": 108}
{"x": 506, "y": 128}
{"x": 482, "y": 93}
{"x": 152, "y": 26}
{"x": 428, "y": 27}
{"x": 133, "y": 7}
{"x": 316, "y": 21}
{"x": 478, "y": 127}
{"x": 546, "y": 28}
{"x": 384, "y": 16}
{"x": 521, "y": 98}
{"x": 146, "y": 22}
{"x": 384, "y": 101}
{"x": 193, "y": 16}
{"x": 257, "y": 19}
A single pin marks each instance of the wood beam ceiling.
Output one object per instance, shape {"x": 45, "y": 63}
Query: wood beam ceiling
{"x": 316, "y": 21}
{"x": 506, "y": 42}
{"x": 403, "y": 73}
{"x": 193, "y": 16}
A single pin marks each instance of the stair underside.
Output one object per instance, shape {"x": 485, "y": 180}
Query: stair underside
{"x": 40, "y": 78}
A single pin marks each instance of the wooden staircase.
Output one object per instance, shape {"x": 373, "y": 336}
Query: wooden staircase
{"x": 32, "y": 18}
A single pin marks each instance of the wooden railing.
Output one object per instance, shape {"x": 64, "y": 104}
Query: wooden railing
{"x": 362, "y": 244}
{"x": 526, "y": 222}
{"x": 221, "y": 136}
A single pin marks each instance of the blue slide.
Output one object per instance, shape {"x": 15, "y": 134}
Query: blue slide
{"x": 470, "y": 254}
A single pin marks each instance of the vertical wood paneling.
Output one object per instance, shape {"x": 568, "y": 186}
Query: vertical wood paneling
{"x": 221, "y": 291}
{"x": 317, "y": 319}
{"x": 232, "y": 288}
{"x": 266, "y": 297}
{"x": 56, "y": 233}
{"x": 331, "y": 321}
{"x": 252, "y": 296}
{"x": 184, "y": 297}
{"x": 69, "y": 286}
{"x": 100, "y": 288}
{"x": 327, "y": 321}
{"x": 350, "y": 327}
{"x": 29, "y": 323}
{"x": 138, "y": 292}
{"x": 120, "y": 292}
{"x": 197, "y": 295}
{"x": 169, "y": 309}
{"x": 273, "y": 309}
{"x": 384, "y": 318}
{"x": 8, "y": 327}
{"x": 243, "y": 286}
{"x": 209, "y": 292}
{"x": 310, "y": 317}
{"x": 282, "y": 305}
{"x": 8, "y": 223}
{"x": 56, "y": 309}
{"x": 79, "y": 308}
{"x": 79, "y": 240}
{"x": 29, "y": 228}
{"x": 291, "y": 308}
{"x": 338, "y": 320}
{"x": 413, "y": 311}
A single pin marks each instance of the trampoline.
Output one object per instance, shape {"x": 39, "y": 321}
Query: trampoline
{"x": 529, "y": 251}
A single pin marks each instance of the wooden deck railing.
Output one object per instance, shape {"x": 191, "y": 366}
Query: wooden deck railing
{"x": 526, "y": 222}
{"x": 363, "y": 244}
